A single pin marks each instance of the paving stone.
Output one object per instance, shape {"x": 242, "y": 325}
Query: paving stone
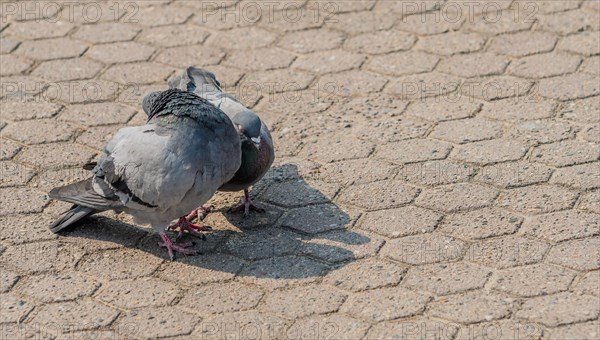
{"x": 84, "y": 314}
{"x": 303, "y": 301}
{"x": 405, "y": 8}
{"x": 263, "y": 243}
{"x": 304, "y": 42}
{"x": 536, "y": 199}
{"x": 106, "y": 32}
{"x": 297, "y": 193}
{"x": 325, "y": 327}
{"x": 588, "y": 283}
{"x": 423, "y": 249}
{"x": 544, "y": 65}
{"x": 434, "y": 173}
{"x": 103, "y": 232}
{"x": 46, "y": 49}
{"x": 7, "y": 280}
{"x": 191, "y": 55}
{"x": 588, "y": 330}
{"x": 344, "y": 6}
{"x": 573, "y": 86}
{"x": 467, "y": 130}
{"x": 98, "y": 114}
{"x": 120, "y": 52}
{"x": 328, "y": 61}
{"x": 506, "y": 329}
{"x": 144, "y": 73}
{"x": 13, "y": 308}
{"x": 559, "y": 309}
{"x": 40, "y": 257}
{"x": 380, "y": 42}
{"x": 39, "y": 131}
{"x": 481, "y": 224}
{"x": 451, "y": 43}
{"x": 496, "y": 87}
{"x": 399, "y": 222}
{"x": 457, "y": 197}
{"x": 363, "y": 170}
{"x": 342, "y": 245}
{"x": 591, "y": 133}
{"x": 499, "y": 22}
{"x": 71, "y": 69}
{"x": 11, "y": 64}
{"x": 7, "y": 44}
{"x": 402, "y": 63}
{"x": 40, "y": 29}
{"x": 423, "y": 85}
{"x": 539, "y": 279}
{"x": 591, "y": 65}
{"x": 260, "y": 59}
{"x": 137, "y": 293}
{"x": 443, "y": 108}
{"x": 21, "y": 200}
{"x": 281, "y": 80}
{"x": 158, "y": 322}
{"x": 446, "y": 278}
{"x": 382, "y": 130}
{"x": 414, "y": 150}
{"x": 248, "y": 324}
{"x": 84, "y": 91}
{"x": 366, "y": 274}
{"x": 385, "y": 304}
{"x": 578, "y": 254}
{"x": 590, "y": 201}
{"x": 57, "y": 287}
{"x": 544, "y": 131}
{"x": 283, "y": 271}
{"x": 565, "y": 153}
{"x": 506, "y": 252}
{"x": 118, "y": 264}
{"x": 490, "y": 151}
{"x": 514, "y": 174}
{"x": 569, "y": 22}
{"x": 162, "y": 36}
{"x": 582, "y": 111}
{"x": 584, "y": 176}
{"x": 242, "y": 38}
{"x": 379, "y": 195}
{"x": 314, "y": 219}
{"x": 55, "y": 156}
{"x": 293, "y": 20}
{"x": 522, "y": 44}
{"x": 428, "y": 23}
{"x": 581, "y": 43}
{"x": 14, "y": 174}
{"x": 340, "y": 148}
{"x": 162, "y": 15}
{"x": 202, "y": 269}
{"x": 471, "y": 307}
{"x": 414, "y": 329}
{"x": 350, "y": 83}
{"x": 473, "y": 65}
{"x": 371, "y": 21}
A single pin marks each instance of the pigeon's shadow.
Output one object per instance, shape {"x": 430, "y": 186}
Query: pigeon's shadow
{"x": 302, "y": 235}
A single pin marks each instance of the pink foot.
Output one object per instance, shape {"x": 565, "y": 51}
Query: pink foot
{"x": 246, "y": 205}
{"x": 185, "y": 225}
{"x": 200, "y": 212}
{"x": 175, "y": 247}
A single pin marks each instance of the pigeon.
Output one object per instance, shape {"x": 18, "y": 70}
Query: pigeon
{"x": 258, "y": 152}
{"x": 160, "y": 171}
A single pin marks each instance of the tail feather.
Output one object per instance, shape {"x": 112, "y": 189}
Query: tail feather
{"x": 69, "y": 217}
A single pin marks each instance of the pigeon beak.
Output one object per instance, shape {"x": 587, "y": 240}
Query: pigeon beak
{"x": 256, "y": 140}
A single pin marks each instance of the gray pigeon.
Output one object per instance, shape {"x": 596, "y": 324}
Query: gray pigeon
{"x": 258, "y": 152}
{"x": 160, "y": 171}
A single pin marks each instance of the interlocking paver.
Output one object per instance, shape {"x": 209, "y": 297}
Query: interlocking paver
{"x": 428, "y": 23}
{"x": 7, "y": 280}
{"x": 98, "y": 114}
{"x": 473, "y": 65}
{"x": 584, "y": 176}
{"x": 40, "y": 29}
{"x": 588, "y": 283}
{"x": 544, "y": 65}
{"x": 583, "y": 43}
{"x": 583, "y": 111}
{"x": 414, "y": 329}
{"x": 371, "y": 21}
{"x": 120, "y": 52}
{"x": 57, "y": 287}
{"x": 523, "y": 43}
{"x": 565, "y": 153}
{"x": 352, "y": 82}
{"x": 559, "y": 309}
{"x": 590, "y": 201}
{"x": 366, "y": 274}
{"x": 385, "y": 304}
{"x": 7, "y": 44}
{"x": 304, "y": 42}
{"x": 591, "y": 133}
{"x": 328, "y": 61}
{"x": 471, "y": 307}
{"x": 340, "y": 245}
{"x": 107, "y": 32}
{"x": 200, "y": 270}
{"x": 138, "y": 293}
{"x": 506, "y": 252}
{"x": 581, "y": 254}
{"x": 144, "y": 73}
{"x": 118, "y": 264}
{"x": 414, "y": 150}
{"x": 324, "y": 327}
{"x": 252, "y": 324}
{"x": 490, "y": 151}
{"x": 362, "y": 170}
{"x": 443, "y": 108}
{"x": 402, "y": 63}
{"x": 435, "y": 173}
{"x": 591, "y": 65}
{"x": 586, "y": 330}
{"x": 39, "y": 131}
{"x": 13, "y": 308}
{"x": 467, "y": 130}
{"x": 446, "y": 278}
{"x": 304, "y": 301}
{"x": 63, "y": 70}
{"x": 46, "y": 49}
{"x": 451, "y": 43}
{"x": 11, "y": 64}
{"x": 539, "y": 279}
{"x": 481, "y": 223}
{"x": 572, "y": 86}
{"x": 158, "y": 322}
{"x": 378, "y": 195}
{"x": 399, "y": 222}
{"x": 536, "y": 199}
{"x": 514, "y": 174}
{"x": 457, "y": 197}
{"x": 22, "y": 200}
{"x": 511, "y": 110}
{"x": 422, "y": 249}
{"x": 193, "y": 55}
{"x": 496, "y": 87}
{"x": 283, "y": 272}
{"x": 569, "y": 21}
{"x": 423, "y": 85}
{"x": 55, "y": 156}
{"x": 380, "y": 42}
{"x": 545, "y": 131}
{"x": 505, "y": 329}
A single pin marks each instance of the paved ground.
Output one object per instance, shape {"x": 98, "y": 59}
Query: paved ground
{"x": 437, "y": 171}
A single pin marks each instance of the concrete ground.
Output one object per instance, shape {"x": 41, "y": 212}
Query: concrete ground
{"x": 437, "y": 170}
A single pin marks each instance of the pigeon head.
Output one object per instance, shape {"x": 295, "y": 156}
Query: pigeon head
{"x": 149, "y": 100}
{"x": 248, "y": 125}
